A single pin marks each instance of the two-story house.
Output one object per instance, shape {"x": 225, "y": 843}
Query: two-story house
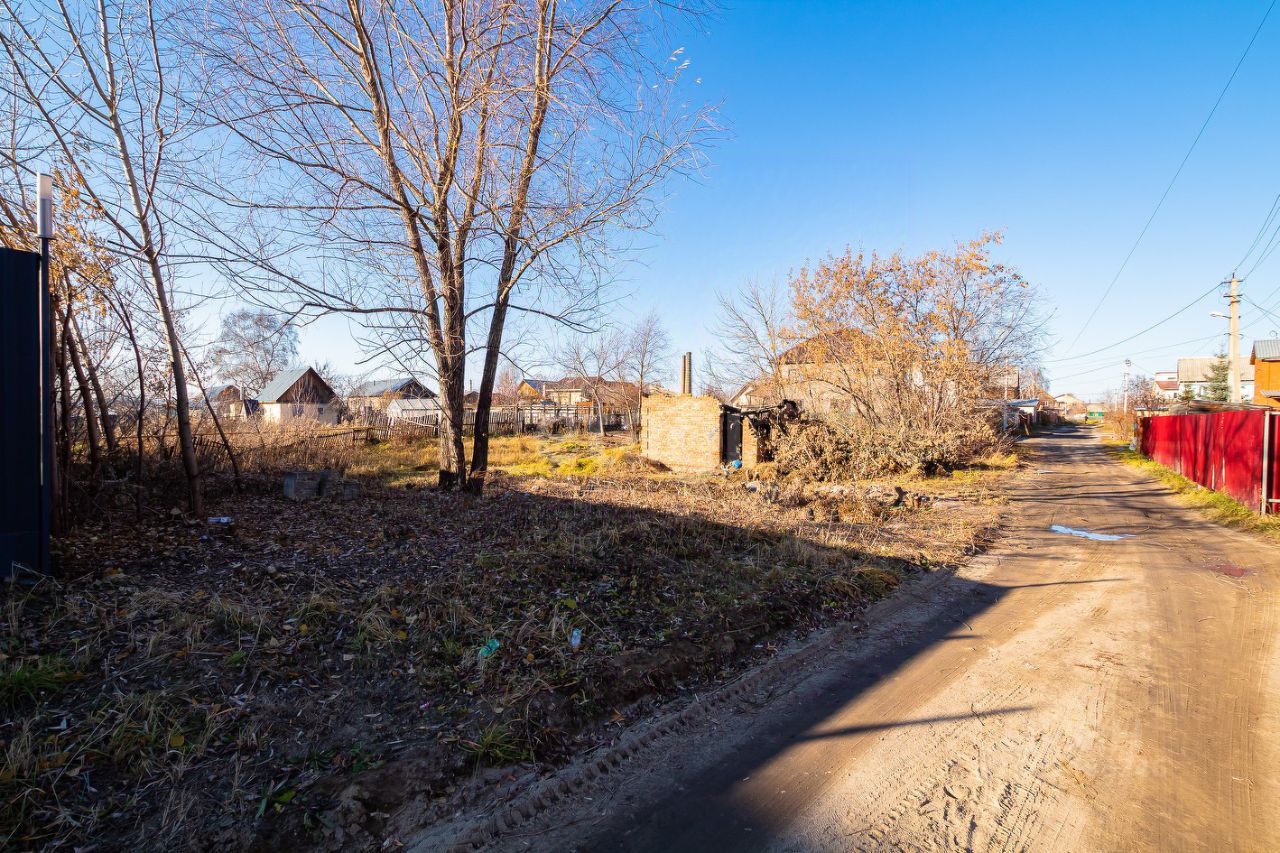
{"x": 1264, "y": 360}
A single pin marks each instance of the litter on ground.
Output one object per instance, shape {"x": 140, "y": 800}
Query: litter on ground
{"x": 1088, "y": 534}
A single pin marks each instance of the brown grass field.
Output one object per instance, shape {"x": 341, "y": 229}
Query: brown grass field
{"x": 297, "y": 676}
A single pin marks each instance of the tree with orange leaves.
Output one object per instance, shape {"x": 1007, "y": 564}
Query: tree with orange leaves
{"x": 903, "y": 350}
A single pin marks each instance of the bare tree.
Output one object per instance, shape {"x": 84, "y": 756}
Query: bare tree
{"x": 252, "y": 348}
{"x": 508, "y": 382}
{"x": 597, "y": 361}
{"x": 446, "y": 164}
{"x": 648, "y": 345}
{"x": 102, "y": 82}
{"x": 753, "y": 333}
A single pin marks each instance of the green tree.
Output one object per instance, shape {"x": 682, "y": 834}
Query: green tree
{"x": 1218, "y": 386}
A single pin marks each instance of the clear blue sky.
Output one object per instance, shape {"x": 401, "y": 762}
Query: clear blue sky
{"x": 915, "y": 124}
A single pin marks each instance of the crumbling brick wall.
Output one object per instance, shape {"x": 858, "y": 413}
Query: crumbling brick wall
{"x": 750, "y": 445}
{"x": 682, "y": 432}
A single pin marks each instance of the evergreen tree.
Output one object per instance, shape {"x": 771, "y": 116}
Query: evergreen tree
{"x": 1218, "y": 386}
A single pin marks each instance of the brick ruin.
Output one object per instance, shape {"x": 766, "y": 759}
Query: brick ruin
{"x": 687, "y": 433}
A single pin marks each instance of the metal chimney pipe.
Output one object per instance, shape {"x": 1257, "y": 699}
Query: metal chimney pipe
{"x": 686, "y": 374}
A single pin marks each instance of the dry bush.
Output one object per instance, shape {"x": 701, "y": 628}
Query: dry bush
{"x": 265, "y": 448}
{"x": 850, "y": 448}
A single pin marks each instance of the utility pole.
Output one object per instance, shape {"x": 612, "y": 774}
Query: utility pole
{"x": 1127, "y": 364}
{"x": 1234, "y": 296}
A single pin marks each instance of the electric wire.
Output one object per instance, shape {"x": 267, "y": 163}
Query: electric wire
{"x": 1266, "y": 223}
{"x": 1174, "y": 179}
{"x": 1155, "y": 325}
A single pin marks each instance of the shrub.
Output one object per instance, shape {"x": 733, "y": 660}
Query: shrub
{"x": 848, "y": 448}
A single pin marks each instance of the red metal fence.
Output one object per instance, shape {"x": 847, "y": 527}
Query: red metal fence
{"x": 1236, "y": 453}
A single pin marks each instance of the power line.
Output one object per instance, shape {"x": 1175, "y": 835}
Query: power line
{"x": 1271, "y": 215}
{"x": 1263, "y": 310}
{"x": 1190, "y": 304}
{"x": 1150, "y": 351}
{"x": 1174, "y": 179}
{"x": 1266, "y": 252}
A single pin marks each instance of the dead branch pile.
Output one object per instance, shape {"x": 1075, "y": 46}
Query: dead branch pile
{"x": 848, "y": 448}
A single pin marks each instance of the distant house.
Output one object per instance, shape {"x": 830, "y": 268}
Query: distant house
{"x": 1004, "y": 383}
{"x": 1165, "y": 384}
{"x": 1194, "y": 373}
{"x": 840, "y": 370}
{"x": 757, "y": 392}
{"x": 1265, "y": 361}
{"x": 531, "y": 391}
{"x": 498, "y": 400}
{"x": 413, "y": 409}
{"x": 297, "y": 395}
{"x": 227, "y": 401}
{"x": 580, "y": 392}
{"x": 376, "y": 396}
{"x": 1071, "y": 407}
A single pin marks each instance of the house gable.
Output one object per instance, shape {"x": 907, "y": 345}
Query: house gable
{"x": 405, "y": 387}
{"x": 300, "y": 385}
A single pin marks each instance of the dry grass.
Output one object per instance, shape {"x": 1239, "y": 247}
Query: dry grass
{"x": 1215, "y": 505}
{"x": 221, "y": 686}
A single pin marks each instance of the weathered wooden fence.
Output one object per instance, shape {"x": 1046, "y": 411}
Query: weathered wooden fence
{"x": 510, "y": 420}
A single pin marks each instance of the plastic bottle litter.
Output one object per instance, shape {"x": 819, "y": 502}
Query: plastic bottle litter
{"x": 221, "y": 519}
{"x": 489, "y": 648}
{"x": 575, "y": 638}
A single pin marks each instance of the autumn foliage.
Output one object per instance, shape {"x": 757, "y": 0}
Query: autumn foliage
{"x": 897, "y": 354}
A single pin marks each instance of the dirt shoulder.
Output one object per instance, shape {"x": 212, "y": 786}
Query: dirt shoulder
{"x": 313, "y": 672}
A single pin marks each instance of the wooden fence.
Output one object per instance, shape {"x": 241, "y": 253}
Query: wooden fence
{"x": 507, "y": 420}
{"x": 265, "y": 451}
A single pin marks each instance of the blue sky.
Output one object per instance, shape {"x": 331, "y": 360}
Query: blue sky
{"x": 913, "y": 125}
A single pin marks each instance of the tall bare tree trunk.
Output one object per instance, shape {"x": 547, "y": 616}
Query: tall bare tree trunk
{"x": 484, "y": 401}
{"x": 453, "y": 472}
{"x": 86, "y": 398}
{"x": 104, "y": 412}
{"x": 217, "y": 423}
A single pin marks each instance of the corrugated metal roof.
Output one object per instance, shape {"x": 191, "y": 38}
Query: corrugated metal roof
{"x": 378, "y": 387}
{"x": 411, "y": 408}
{"x": 1268, "y": 350}
{"x": 1197, "y": 369}
{"x": 282, "y": 382}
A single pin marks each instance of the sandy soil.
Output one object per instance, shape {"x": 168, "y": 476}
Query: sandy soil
{"x": 1060, "y": 693}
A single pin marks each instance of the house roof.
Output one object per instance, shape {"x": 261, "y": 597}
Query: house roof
{"x": 497, "y": 398}
{"x": 284, "y": 380}
{"x": 539, "y": 385}
{"x": 1198, "y": 369}
{"x": 1167, "y": 384}
{"x": 378, "y": 387}
{"x": 1267, "y": 350}
{"x": 412, "y": 406}
{"x": 213, "y": 391}
{"x": 822, "y": 347}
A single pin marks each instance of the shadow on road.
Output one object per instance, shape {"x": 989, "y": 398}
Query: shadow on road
{"x": 704, "y": 811}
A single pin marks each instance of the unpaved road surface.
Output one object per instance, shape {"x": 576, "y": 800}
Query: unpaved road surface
{"x": 1061, "y": 693}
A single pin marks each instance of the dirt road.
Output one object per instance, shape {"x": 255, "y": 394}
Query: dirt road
{"x": 1061, "y": 693}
